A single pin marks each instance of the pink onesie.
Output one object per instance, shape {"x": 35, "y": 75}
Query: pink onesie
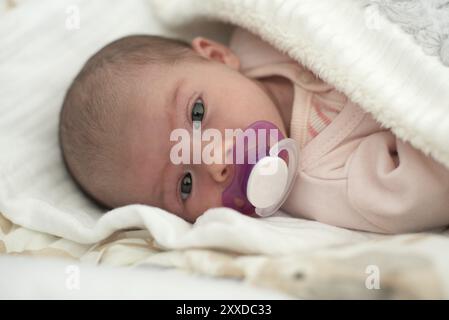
{"x": 352, "y": 173}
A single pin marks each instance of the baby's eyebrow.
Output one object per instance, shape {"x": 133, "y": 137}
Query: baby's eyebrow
{"x": 174, "y": 93}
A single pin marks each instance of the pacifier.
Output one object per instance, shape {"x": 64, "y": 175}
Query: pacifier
{"x": 265, "y": 167}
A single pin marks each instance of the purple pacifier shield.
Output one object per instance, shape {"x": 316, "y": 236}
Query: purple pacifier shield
{"x": 250, "y": 146}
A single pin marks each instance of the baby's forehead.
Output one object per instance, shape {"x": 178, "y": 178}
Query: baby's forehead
{"x": 157, "y": 109}
{"x": 146, "y": 147}
{"x": 148, "y": 122}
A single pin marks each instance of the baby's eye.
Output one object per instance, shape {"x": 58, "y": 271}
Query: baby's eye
{"x": 186, "y": 186}
{"x": 198, "y": 110}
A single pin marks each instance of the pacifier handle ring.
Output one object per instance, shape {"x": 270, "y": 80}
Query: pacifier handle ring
{"x": 289, "y": 145}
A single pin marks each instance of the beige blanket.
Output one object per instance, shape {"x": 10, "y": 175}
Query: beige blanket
{"x": 388, "y": 267}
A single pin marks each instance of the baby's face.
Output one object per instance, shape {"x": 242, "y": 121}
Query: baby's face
{"x": 172, "y": 97}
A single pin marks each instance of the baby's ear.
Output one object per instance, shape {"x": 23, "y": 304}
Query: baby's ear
{"x": 212, "y": 50}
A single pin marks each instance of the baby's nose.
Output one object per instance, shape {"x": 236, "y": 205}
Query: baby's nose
{"x": 220, "y": 173}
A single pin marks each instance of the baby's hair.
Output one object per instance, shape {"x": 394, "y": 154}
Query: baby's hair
{"x": 89, "y": 119}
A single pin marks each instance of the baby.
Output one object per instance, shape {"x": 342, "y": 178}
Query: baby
{"x": 119, "y": 112}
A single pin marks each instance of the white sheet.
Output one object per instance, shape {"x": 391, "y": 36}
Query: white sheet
{"x": 31, "y": 278}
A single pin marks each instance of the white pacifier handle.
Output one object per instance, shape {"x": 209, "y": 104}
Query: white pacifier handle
{"x": 271, "y": 180}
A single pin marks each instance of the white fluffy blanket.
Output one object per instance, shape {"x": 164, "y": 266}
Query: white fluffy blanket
{"x": 351, "y": 45}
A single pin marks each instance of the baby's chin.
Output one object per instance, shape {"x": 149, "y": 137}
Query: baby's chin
{"x": 253, "y": 215}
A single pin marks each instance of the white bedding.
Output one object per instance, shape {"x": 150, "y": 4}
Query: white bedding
{"x": 31, "y": 278}
{"x": 38, "y": 58}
